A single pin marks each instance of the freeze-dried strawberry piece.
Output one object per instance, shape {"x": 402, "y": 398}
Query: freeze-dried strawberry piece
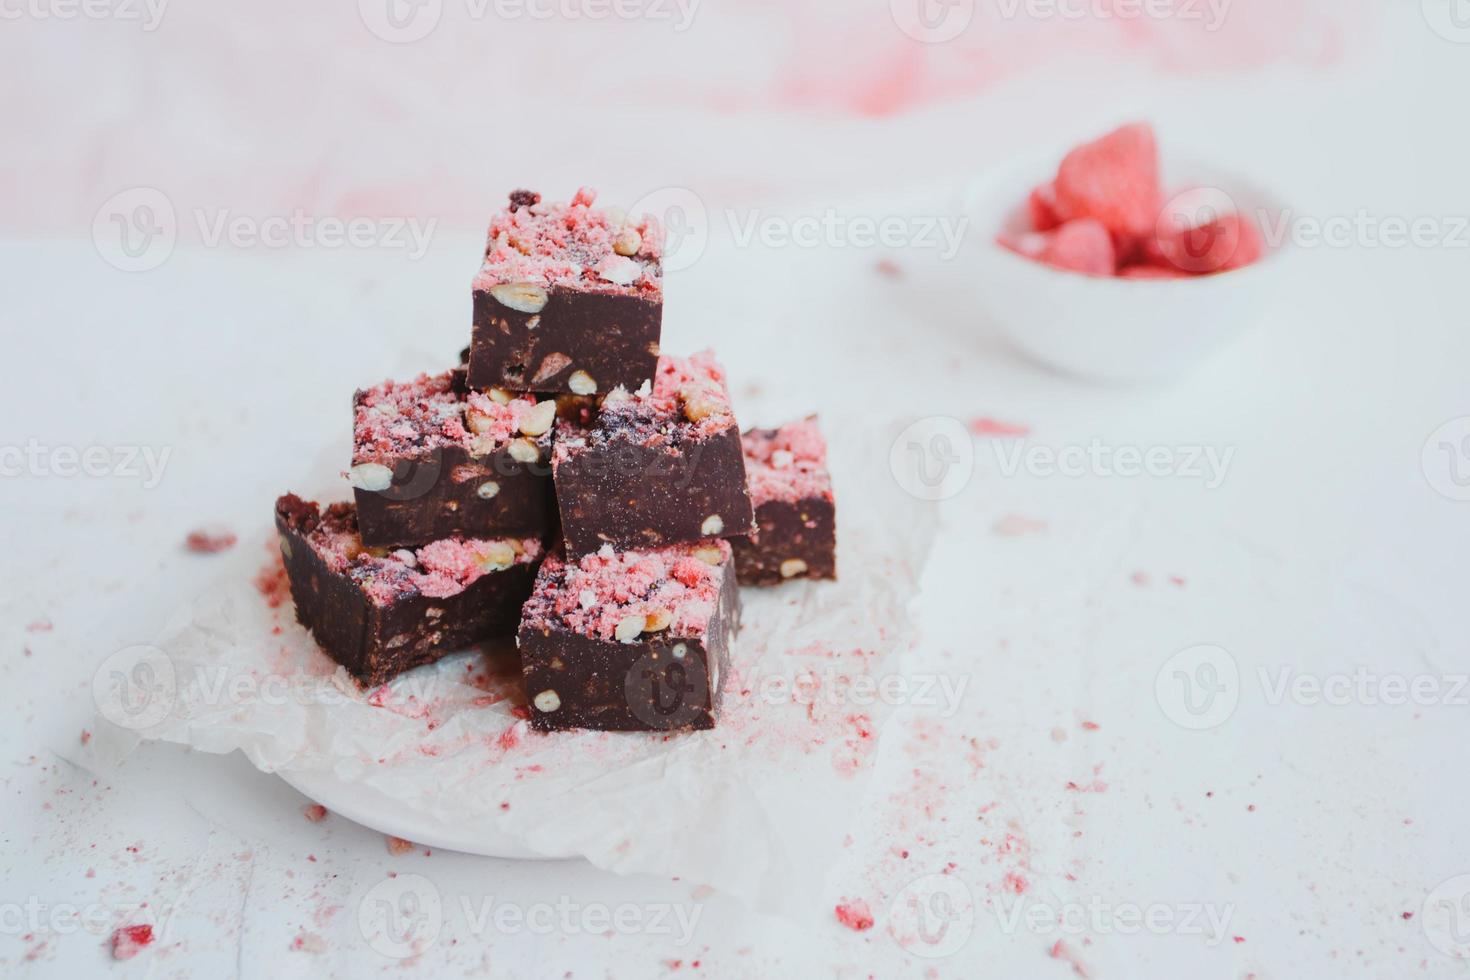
{"x": 1083, "y": 245}
{"x": 1030, "y": 244}
{"x": 1042, "y": 208}
{"x": 128, "y": 940}
{"x": 855, "y": 915}
{"x": 1218, "y": 244}
{"x": 1114, "y": 179}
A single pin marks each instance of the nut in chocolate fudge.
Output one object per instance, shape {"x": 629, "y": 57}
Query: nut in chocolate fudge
{"x": 569, "y": 298}
{"x": 630, "y": 641}
{"x": 656, "y": 467}
{"x": 432, "y": 459}
{"x": 379, "y": 612}
{"x": 795, "y": 511}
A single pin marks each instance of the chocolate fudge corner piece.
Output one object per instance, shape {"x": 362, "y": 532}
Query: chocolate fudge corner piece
{"x": 569, "y": 298}
{"x": 380, "y": 613}
{"x": 658, "y": 467}
{"x": 795, "y": 512}
{"x": 630, "y": 641}
{"x": 432, "y": 459}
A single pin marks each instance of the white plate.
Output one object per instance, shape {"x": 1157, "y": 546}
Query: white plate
{"x": 380, "y": 812}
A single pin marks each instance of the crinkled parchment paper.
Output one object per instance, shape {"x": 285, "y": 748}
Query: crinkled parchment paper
{"x": 757, "y": 808}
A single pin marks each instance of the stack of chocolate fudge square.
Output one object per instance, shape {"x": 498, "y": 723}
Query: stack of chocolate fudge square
{"x": 569, "y": 485}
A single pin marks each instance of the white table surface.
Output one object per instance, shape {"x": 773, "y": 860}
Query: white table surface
{"x": 1316, "y": 831}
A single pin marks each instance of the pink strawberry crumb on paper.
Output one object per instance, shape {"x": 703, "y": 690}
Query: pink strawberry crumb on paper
{"x": 983, "y": 426}
{"x": 1016, "y": 525}
{"x": 855, "y": 915}
{"x": 86, "y": 736}
{"x": 315, "y": 812}
{"x": 1061, "y": 951}
{"x": 210, "y": 540}
{"x": 128, "y": 941}
{"x": 39, "y": 626}
{"x": 309, "y": 942}
{"x": 397, "y": 845}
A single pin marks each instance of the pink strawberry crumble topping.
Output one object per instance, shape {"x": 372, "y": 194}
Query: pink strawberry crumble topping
{"x": 688, "y": 400}
{"x": 789, "y": 463}
{"x": 438, "y": 570}
{"x": 593, "y": 594}
{"x": 401, "y": 418}
{"x": 575, "y": 246}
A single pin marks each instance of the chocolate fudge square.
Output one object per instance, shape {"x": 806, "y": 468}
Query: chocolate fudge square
{"x": 378, "y": 612}
{"x": 432, "y": 459}
{"x": 660, "y": 466}
{"x": 630, "y": 641}
{"x": 795, "y": 511}
{"x": 569, "y": 298}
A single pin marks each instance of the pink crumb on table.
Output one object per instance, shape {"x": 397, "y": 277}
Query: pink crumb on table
{"x": 854, "y": 914}
{"x": 397, "y": 845}
{"x": 788, "y": 463}
{"x": 1017, "y": 525}
{"x": 209, "y": 541}
{"x": 86, "y": 736}
{"x": 309, "y": 942}
{"x": 128, "y": 941}
{"x": 984, "y": 426}
{"x": 1061, "y": 951}
{"x": 594, "y": 593}
{"x": 889, "y": 268}
{"x": 314, "y": 812}
{"x": 39, "y": 626}
{"x": 574, "y": 245}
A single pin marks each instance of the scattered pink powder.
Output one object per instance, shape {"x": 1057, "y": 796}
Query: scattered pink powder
{"x": 1061, "y": 951}
{"x": 788, "y": 464}
{"x": 208, "y": 541}
{"x": 983, "y": 426}
{"x": 572, "y": 246}
{"x": 39, "y": 626}
{"x": 86, "y": 736}
{"x": 854, "y": 914}
{"x": 309, "y": 942}
{"x": 1016, "y": 525}
{"x": 593, "y": 594}
{"x": 128, "y": 941}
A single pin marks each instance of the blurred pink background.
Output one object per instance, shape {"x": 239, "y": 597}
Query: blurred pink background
{"x": 270, "y": 105}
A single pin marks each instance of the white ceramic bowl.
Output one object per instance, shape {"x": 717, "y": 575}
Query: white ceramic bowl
{"x": 1109, "y": 329}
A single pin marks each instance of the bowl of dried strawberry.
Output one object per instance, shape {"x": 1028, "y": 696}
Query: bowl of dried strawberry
{"x": 1112, "y": 266}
